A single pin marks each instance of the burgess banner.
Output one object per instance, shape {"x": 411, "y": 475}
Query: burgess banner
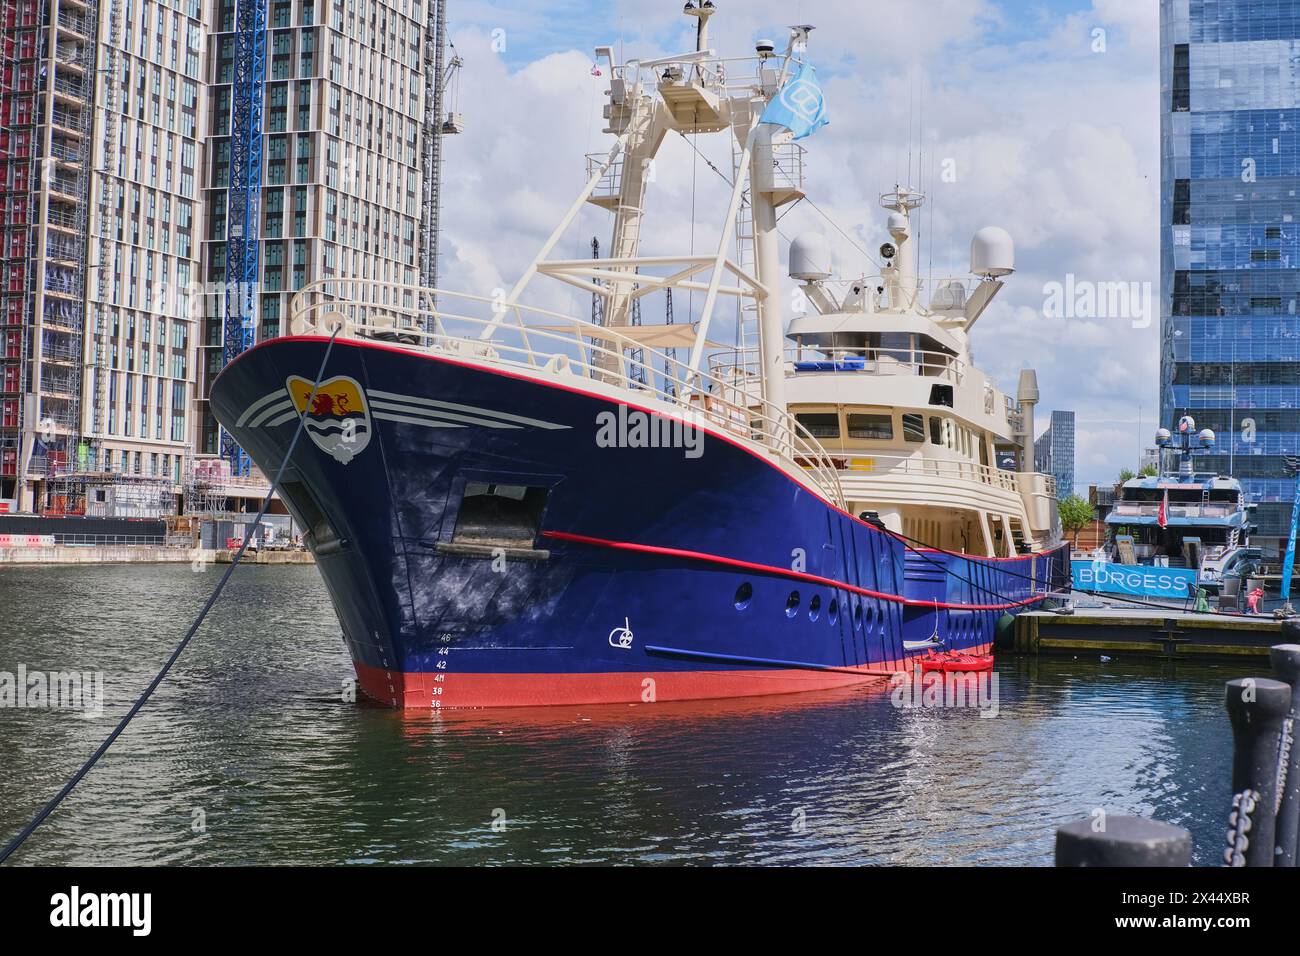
{"x": 1135, "y": 579}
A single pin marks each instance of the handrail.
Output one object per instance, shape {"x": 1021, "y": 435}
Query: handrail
{"x": 874, "y": 361}
{"x": 407, "y": 316}
{"x": 938, "y": 467}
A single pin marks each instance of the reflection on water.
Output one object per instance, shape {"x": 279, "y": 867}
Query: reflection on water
{"x": 248, "y": 753}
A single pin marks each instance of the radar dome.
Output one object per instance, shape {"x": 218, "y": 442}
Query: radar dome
{"x": 992, "y": 253}
{"x": 810, "y": 257}
{"x": 948, "y": 294}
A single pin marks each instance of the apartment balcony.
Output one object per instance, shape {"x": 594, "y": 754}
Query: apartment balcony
{"x": 66, "y": 188}
{"x": 71, "y": 88}
{"x": 63, "y": 315}
{"x": 60, "y": 386}
{"x": 70, "y": 23}
{"x": 68, "y": 153}
{"x": 57, "y": 218}
{"x": 58, "y": 348}
{"x": 62, "y": 281}
{"x": 66, "y": 248}
{"x": 69, "y": 55}
{"x": 68, "y": 122}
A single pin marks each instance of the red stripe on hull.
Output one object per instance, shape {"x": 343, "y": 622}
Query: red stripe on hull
{"x": 783, "y": 573}
{"x": 415, "y": 690}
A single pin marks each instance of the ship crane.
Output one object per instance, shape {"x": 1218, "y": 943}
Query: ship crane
{"x": 440, "y": 77}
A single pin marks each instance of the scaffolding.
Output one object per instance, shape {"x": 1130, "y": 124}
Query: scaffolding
{"x": 109, "y": 494}
{"x": 108, "y": 191}
{"x": 21, "y": 34}
{"x": 47, "y": 106}
{"x": 243, "y": 239}
{"x": 439, "y": 79}
{"x": 203, "y": 493}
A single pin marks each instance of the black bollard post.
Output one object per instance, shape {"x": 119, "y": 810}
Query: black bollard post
{"x": 1122, "y": 841}
{"x": 1256, "y": 707}
{"x": 1286, "y": 667}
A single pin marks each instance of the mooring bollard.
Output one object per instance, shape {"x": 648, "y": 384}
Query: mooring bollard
{"x": 1122, "y": 841}
{"x": 1256, "y": 706}
{"x": 1285, "y": 659}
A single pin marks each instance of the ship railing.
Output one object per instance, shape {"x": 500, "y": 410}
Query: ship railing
{"x": 868, "y": 464}
{"x": 485, "y": 329}
{"x": 870, "y": 361}
{"x": 1176, "y": 509}
{"x": 941, "y": 294}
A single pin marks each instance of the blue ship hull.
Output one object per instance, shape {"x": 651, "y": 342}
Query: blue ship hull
{"x": 593, "y": 574}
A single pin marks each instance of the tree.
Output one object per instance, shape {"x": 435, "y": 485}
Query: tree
{"x": 1148, "y": 471}
{"x": 1076, "y": 514}
{"x": 1125, "y": 475}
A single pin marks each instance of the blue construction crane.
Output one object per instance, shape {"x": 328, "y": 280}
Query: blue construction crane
{"x": 245, "y": 197}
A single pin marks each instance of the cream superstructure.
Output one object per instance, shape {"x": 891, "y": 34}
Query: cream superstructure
{"x": 879, "y": 370}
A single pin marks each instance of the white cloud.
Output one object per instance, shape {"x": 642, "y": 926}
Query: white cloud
{"x": 1057, "y": 143}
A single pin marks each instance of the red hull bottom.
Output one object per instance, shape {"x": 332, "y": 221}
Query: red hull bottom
{"x": 423, "y": 690}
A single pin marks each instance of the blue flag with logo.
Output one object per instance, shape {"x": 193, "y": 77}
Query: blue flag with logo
{"x": 800, "y": 106}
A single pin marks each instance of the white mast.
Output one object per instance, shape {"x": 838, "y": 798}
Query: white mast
{"x": 767, "y": 265}
{"x": 902, "y": 274}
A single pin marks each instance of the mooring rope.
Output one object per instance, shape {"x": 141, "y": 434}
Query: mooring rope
{"x": 180, "y": 648}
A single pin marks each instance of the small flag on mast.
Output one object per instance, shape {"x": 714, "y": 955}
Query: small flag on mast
{"x": 800, "y": 106}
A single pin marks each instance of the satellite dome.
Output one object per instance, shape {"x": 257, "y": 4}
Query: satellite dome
{"x": 992, "y": 252}
{"x": 810, "y": 257}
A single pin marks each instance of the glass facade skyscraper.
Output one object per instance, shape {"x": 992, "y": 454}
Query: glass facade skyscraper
{"x": 1054, "y": 452}
{"x": 1230, "y": 237}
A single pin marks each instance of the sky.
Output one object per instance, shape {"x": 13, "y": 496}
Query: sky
{"x": 1044, "y": 116}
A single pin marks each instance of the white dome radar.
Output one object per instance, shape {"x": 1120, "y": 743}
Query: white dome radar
{"x": 992, "y": 253}
{"x": 810, "y": 257}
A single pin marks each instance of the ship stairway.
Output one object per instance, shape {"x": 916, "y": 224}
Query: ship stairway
{"x": 1018, "y": 539}
{"x": 608, "y": 191}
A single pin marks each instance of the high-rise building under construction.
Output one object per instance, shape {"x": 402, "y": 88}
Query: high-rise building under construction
{"x": 339, "y": 187}
{"x": 171, "y": 172}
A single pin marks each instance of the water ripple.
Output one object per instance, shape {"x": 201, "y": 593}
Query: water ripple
{"x": 249, "y": 755}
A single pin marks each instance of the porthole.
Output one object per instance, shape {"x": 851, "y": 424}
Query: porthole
{"x": 792, "y": 604}
{"x": 815, "y": 607}
{"x": 744, "y": 594}
{"x": 833, "y": 611}
{"x": 857, "y": 616}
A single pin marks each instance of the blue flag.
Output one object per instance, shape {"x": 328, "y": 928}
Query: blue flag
{"x": 800, "y": 106}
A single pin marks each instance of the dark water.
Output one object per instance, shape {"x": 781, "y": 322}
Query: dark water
{"x": 248, "y": 754}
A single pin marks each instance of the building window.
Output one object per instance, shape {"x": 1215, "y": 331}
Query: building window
{"x": 1181, "y": 88}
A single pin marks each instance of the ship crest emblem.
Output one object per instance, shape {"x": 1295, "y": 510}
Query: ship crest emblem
{"x": 339, "y": 418}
